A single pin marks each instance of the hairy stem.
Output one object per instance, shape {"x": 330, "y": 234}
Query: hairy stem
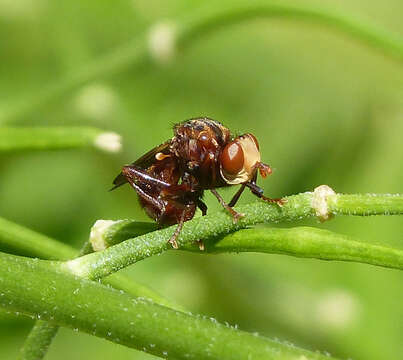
{"x": 38, "y": 341}
{"x": 304, "y": 241}
{"x": 41, "y": 335}
{"x": 310, "y": 243}
{"x": 21, "y": 240}
{"x": 213, "y": 227}
{"x": 38, "y": 288}
{"x": 27, "y": 241}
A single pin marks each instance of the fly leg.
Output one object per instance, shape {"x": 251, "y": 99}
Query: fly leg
{"x": 178, "y": 229}
{"x": 166, "y": 203}
{"x": 256, "y": 190}
{"x": 235, "y": 215}
{"x": 237, "y": 195}
{"x": 134, "y": 176}
{"x": 133, "y": 173}
{"x": 203, "y": 207}
{"x": 149, "y": 189}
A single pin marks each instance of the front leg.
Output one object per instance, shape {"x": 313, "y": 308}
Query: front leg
{"x": 237, "y": 195}
{"x": 235, "y": 215}
{"x": 202, "y": 206}
{"x": 256, "y": 190}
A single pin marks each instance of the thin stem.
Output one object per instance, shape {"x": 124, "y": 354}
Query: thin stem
{"x": 38, "y": 288}
{"x": 389, "y": 44}
{"x": 308, "y": 242}
{"x": 366, "y": 204}
{"x": 105, "y": 233}
{"x": 23, "y": 241}
{"x": 214, "y": 227}
{"x": 55, "y": 138}
{"x": 38, "y": 341}
{"x": 190, "y": 29}
{"x": 305, "y": 242}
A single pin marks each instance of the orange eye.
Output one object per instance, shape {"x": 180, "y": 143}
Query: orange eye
{"x": 232, "y": 158}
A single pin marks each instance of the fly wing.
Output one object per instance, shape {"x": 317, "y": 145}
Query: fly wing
{"x": 143, "y": 162}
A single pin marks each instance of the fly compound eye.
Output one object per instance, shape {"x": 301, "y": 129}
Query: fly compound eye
{"x": 239, "y": 160}
{"x": 232, "y": 159}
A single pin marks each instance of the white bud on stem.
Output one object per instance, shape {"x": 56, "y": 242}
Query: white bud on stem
{"x": 97, "y": 234}
{"x": 319, "y": 202}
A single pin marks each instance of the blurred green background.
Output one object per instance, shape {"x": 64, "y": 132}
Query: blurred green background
{"x": 325, "y": 108}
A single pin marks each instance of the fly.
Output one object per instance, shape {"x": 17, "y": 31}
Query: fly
{"x": 202, "y": 155}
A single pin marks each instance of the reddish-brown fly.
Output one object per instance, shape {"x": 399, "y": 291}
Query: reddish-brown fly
{"x": 202, "y": 155}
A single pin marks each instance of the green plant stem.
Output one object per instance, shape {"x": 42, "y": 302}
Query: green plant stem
{"x": 213, "y": 227}
{"x": 192, "y": 27}
{"x": 38, "y": 288}
{"x": 305, "y": 242}
{"x": 117, "y": 231}
{"x": 389, "y": 44}
{"x": 126, "y": 229}
{"x": 18, "y": 239}
{"x": 27, "y": 241}
{"x": 308, "y": 242}
{"x": 38, "y": 341}
{"x": 41, "y": 335}
{"x": 47, "y": 138}
{"x": 23, "y": 241}
{"x": 366, "y": 204}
